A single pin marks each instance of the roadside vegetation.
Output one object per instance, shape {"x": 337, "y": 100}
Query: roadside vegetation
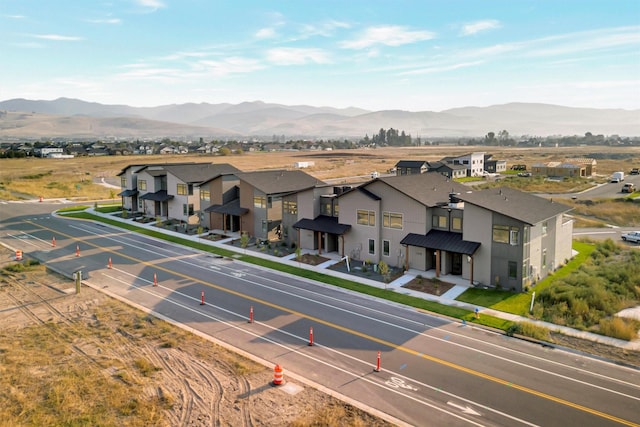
{"x": 547, "y": 307}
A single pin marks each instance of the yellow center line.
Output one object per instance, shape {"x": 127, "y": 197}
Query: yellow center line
{"x": 360, "y": 334}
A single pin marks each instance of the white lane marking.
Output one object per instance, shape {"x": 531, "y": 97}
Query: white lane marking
{"x": 297, "y": 351}
{"x": 240, "y": 276}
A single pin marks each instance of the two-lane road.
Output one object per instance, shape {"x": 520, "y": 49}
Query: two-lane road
{"x": 433, "y": 371}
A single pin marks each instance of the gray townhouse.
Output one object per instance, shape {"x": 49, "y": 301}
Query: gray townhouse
{"x": 129, "y": 186}
{"x": 503, "y": 238}
{"x": 272, "y": 199}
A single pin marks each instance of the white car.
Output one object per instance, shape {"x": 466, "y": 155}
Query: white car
{"x": 632, "y": 236}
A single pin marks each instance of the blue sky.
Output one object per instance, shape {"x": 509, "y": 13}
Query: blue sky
{"x": 416, "y": 55}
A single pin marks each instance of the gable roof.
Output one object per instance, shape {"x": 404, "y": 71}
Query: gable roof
{"x": 279, "y": 181}
{"x": 431, "y": 188}
{"x": 199, "y": 172}
{"x": 323, "y": 224}
{"x": 411, "y": 164}
{"x": 515, "y": 204}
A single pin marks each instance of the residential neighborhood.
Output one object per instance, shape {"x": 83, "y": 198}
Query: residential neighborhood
{"x": 422, "y": 221}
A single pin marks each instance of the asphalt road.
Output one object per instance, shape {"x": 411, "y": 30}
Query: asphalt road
{"x": 434, "y": 371}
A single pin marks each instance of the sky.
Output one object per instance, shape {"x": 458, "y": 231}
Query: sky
{"x": 412, "y": 55}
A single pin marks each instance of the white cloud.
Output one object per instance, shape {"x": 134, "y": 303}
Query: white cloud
{"x": 476, "y": 27}
{"x": 14, "y": 16}
{"x": 152, "y": 4}
{"x": 227, "y": 66}
{"x": 390, "y": 35}
{"x": 297, "y": 56}
{"x": 111, "y": 21}
{"x": 57, "y": 37}
{"x": 439, "y": 69}
{"x": 266, "y": 33}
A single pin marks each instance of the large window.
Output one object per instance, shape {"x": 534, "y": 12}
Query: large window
{"x": 259, "y": 202}
{"x": 506, "y": 234}
{"x": 205, "y": 195}
{"x": 187, "y": 209}
{"x": 456, "y": 224}
{"x": 181, "y": 190}
{"x": 392, "y": 220}
{"x": 142, "y": 184}
{"x": 123, "y": 181}
{"x": 366, "y": 217}
{"x": 290, "y": 207}
{"x": 325, "y": 206}
{"x": 372, "y": 247}
{"x": 385, "y": 247}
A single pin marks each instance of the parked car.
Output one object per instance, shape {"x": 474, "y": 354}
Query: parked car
{"x": 519, "y": 167}
{"x": 632, "y": 236}
{"x": 629, "y": 187}
{"x": 524, "y": 174}
{"x": 634, "y": 171}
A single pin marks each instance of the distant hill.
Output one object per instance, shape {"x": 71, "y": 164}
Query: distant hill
{"x": 66, "y": 117}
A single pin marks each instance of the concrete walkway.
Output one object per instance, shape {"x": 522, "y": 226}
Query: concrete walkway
{"x": 448, "y": 298}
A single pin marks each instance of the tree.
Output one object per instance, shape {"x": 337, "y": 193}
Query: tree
{"x": 244, "y": 241}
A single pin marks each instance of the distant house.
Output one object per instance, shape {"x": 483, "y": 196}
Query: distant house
{"x": 494, "y": 166}
{"x": 411, "y": 167}
{"x": 474, "y": 162}
{"x": 581, "y": 167}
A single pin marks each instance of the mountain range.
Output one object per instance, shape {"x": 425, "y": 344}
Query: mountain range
{"x": 73, "y": 118}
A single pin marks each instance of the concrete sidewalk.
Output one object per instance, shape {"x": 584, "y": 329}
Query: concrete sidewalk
{"x": 448, "y": 298}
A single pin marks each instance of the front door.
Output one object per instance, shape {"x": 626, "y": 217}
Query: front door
{"x": 456, "y": 264}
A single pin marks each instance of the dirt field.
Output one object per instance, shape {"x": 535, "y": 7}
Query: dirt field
{"x": 68, "y": 359}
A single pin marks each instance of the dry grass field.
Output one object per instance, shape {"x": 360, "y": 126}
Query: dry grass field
{"x": 79, "y": 178}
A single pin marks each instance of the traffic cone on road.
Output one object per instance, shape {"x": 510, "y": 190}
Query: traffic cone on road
{"x": 77, "y": 250}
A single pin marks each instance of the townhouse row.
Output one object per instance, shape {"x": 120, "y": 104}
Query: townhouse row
{"x": 427, "y": 221}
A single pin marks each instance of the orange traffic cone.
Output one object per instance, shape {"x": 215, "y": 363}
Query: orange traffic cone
{"x": 278, "y": 375}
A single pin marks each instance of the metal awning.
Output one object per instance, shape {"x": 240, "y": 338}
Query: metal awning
{"x": 323, "y": 224}
{"x": 158, "y": 196}
{"x": 229, "y": 208}
{"x": 441, "y": 240}
{"x": 128, "y": 193}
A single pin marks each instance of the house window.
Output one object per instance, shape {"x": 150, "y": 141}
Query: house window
{"x": 366, "y": 217}
{"x": 385, "y": 247}
{"x": 513, "y": 270}
{"x": 139, "y": 204}
{"x": 514, "y": 236}
{"x": 259, "y": 202}
{"x": 439, "y": 221}
{"x": 525, "y": 234}
{"x": 456, "y": 224}
{"x": 290, "y": 207}
{"x": 501, "y": 233}
{"x": 142, "y": 184}
{"x": 336, "y": 208}
{"x": 325, "y": 207}
{"x": 190, "y": 187}
{"x": 544, "y": 258}
{"x": 372, "y": 247}
{"x": 182, "y": 189}
{"x": 123, "y": 181}
{"x": 544, "y": 228}
{"x": 205, "y": 195}
{"x": 187, "y": 209}
{"x": 392, "y": 220}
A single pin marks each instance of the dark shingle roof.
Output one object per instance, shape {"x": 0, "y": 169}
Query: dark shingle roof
{"x": 279, "y": 181}
{"x": 410, "y": 163}
{"x": 431, "y": 188}
{"x": 515, "y": 204}
{"x": 128, "y": 193}
{"x": 323, "y": 224}
{"x": 442, "y": 240}
{"x": 199, "y": 172}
